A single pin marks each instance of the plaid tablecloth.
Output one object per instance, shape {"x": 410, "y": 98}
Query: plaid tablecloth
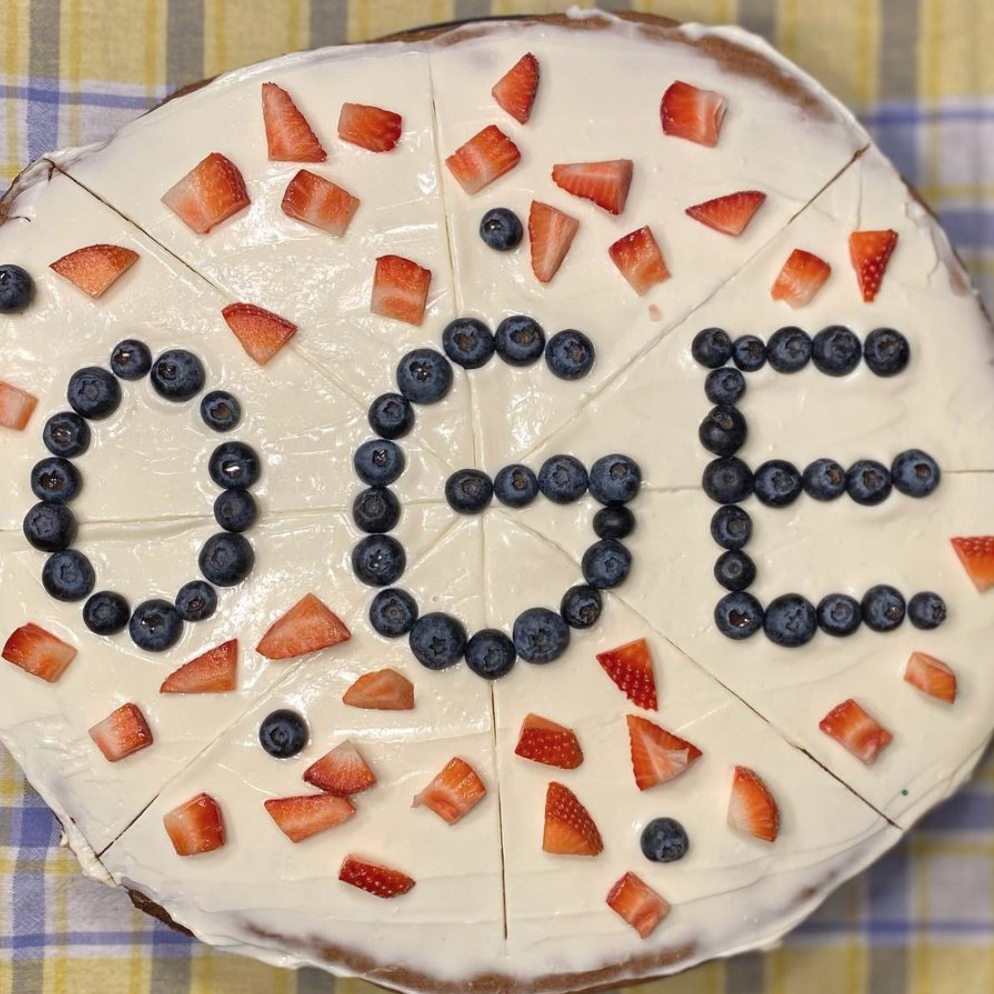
{"x": 920, "y": 74}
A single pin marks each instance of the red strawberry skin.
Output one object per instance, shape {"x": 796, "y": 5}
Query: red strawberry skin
{"x": 320, "y": 203}
{"x": 400, "y": 289}
{"x": 261, "y": 333}
{"x": 373, "y": 878}
{"x": 630, "y": 667}
{"x": 122, "y": 733}
{"x": 213, "y": 672}
{"x": 309, "y": 626}
{"x": 605, "y": 183}
{"x": 38, "y": 652}
{"x": 454, "y": 792}
{"x": 977, "y": 556}
{"x": 858, "y": 731}
{"x": 569, "y": 829}
{"x": 689, "y": 112}
{"x": 658, "y": 756}
{"x": 931, "y": 676}
{"x": 752, "y": 808}
{"x": 729, "y": 214}
{"x": 208, "y": 194}
{"x": 637, "y": 255}
{"x": 802, "y": 276}
{"x": 96, "y": 268}
{"x": 383, "y": 690}
{"x": 487, "y": 156}
{"x": 196, "y": 827}
{"x": 638, "y": 904}
{"x": 371, "y": 128}
{"x": 16, "y": 406}
{"x": 515, "y": 90}
{"x": 546, "y": 742}
{"x": 342, "y": 772}
{"x": 301, "y": 817}
{"x": 288, "y": 135}
{"x": 550, "y": 233}
{"x": 870, "y": 251}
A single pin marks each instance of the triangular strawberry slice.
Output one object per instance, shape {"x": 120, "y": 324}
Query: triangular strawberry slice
{"x": 569, "y": 829}
{"x": 320, "y": 203}
{"x": 400, "y": 289}
{"x": 802, "y": 276}
{"x": 658, "y": 755}
{"x": 870, "y": 251}
{"x": 484, "y": 158}
{"x": 372, "y": 128}
{"x": 195, "y": 827}
{"x": 639, "y": 905}
{"x": 208, "y": 194}
{"x": 977, "y": 556}
{"x": 544, "y": 741}
{"x": 551, "y": 233}
{"x": 96, "y": 268}
{"x": 855, "y": 729}
{"x": 729, "y": 214}
{"x": 212, "y": 672}
{"x": 38, "y": 652}
{"x": 310, "y": 625}
{"x": 689, "y": 112}
{"x": 383, "y": 690}
{"x": 454, "y": 792}
{"x": 16, "y": 406}
{"x": 638, "y": 257}
{"x": 288, "y": 135}
{"x": 341, "y": 772}
{"x": 378, "y": 880}
{"x": 931, "y": 676}
{"x": 301, "y": 817}
{"x": 630, "y": 667}
{"x": 605, "y": 183}
{"x": 121, "y": 733}
{"x": 751, "y": 808}
{"x": 515, "y": 90}
{"x": 261, "y": 332}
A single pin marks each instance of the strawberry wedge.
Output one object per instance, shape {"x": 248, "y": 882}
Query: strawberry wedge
{"x": 261, "y": 333}
{"x": 208, "y": 194}
{"x": 289, "y": 137}
{"x": 320, "y": 203}
{"x": 400, "y": 289}
{"x": 38, "y": 652}
{"x": 692, "y": 113}
{"x": 802, "y": 276}
{"x": 605, "y": 183}
{"x": 544, "y": 741}
{"x": 342, "y": 772}
{"x": 855, "y": 729}
{"x": 484, "y": 158}
{"x": 310, "y": 625}
{"x": 16, "y": 406}
{"x": 515, "y": 90}
{"x": 639, "y": 259}
{"x": 96, "y": 268}
{"x": 383, "y": 690}
{"x": 630, "y": 667}
{"x": 212, "y": 672}
{"x": 454, "y": 792}
{"x": 931, "y": 676}
{"x": 638, "y": 904}
{"x": 729, "y": 214}
{"x": 977, "y": 556}
{"x": 301, "y": 817}
{"x": 751, "y": 808}
{"x": 551, "y": 233}
{"x": 122, "y": 733}
{"x": 372, "y": 128}
{"x": 373, "y": 878}
{"x": 870, "y": 252}
{"x": 569, "y": 829}
{"x": 195, "y": 827}
{"x": 658, "y": 756}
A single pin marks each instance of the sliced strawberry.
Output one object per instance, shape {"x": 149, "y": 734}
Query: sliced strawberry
{"x": 212, "y": 672}
{"x": 454, "y": 792}
{"x": 38, "y": 652}
{"x": 638, "y": 904}
{"x": 860, "y": 733}
{"x": 96, "y": 268}
{"x": 382, "y": 690}
{"x": 208, "y": 194}
{"x": 551, "y": 233}
{"x": 977, "y": 556}
{"x": 729, "y": 214}
{"x": 751, "y": 808}
{"x": 122, "y": 732}
{"x": 657, "y": 755}
{"x": 288, "y": 135}
{"x": 870, "y": 251}
{"x": 320, "y": 203}
{"x": 308, "y": 626}
{"x": 640, "y": 260}
{"x": 931, "y": 676}
{"x": 16, "y": 406}
{"x": 372, "y": 128}
{"x": 630, "y": 667}
{"x": 261, "y": 332}
{"x": 605, "y": 183}
{"x": 484, "y": 158}
{"x": 375, "y": 879}
{"x": 569, "y": 829}
{"x": 691, "y": 113}
{"x": 301, "y": 817}
{"x": 544, "y": 741}
{"x": 341, "y": 772}
{"x": 400, "y": 289}
{"x": 802, "y": 276}
{"x": 195, "y": 827}
{"x": 515, "y": 90}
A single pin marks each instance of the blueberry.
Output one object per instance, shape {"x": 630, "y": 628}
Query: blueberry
{"x": 868, "y": 482}
{"x": 606, "y": 563}
{"x": 581, "y": 606}
{"x": 379, "y": 560}
{"x": 883, "y": 608}
{"x": 915, "y": 473}
{"x": 283, "y": 733}
{"x": 777, "y": 483}
{"x": 50, "y": 526}
{"x": 378, "y": 463}
{"x": 501, "y": 229}
{"x": 391, "y": 416}
{"x": 711, "y": 347}
{"x": 469, "y": 491}
{"x": 438, "y": 640}
{"x": 790, "y": 621}
{"x": 520, "y": 340}
{"x": 515, "y": 485}
{"x": 226, "y": 559}
{"x": 926, "y": 610}
{"x": 393, "y": 612}
{"x": 66, "y": 434}
{"x": 490, "y": 654}
{"x": 824, "y": 479}
{"x": 664, "y": 841}
{"x": 155, "y": 625}
{"x": 540, "y": 635}
{"x": 570, "y": 354}
{"x": 731, "y": 527}
{"x": 424, "y": 376}
{"x": 16, "y": 289}
{"x": 724, "y": 386}
{"x": 738, "y": 616}
{"x": 468, "y": 343}
{"x": 615, "y": 480}
{"x": 614, "y": 522}
{"x": 234, "y": 466}
{"x": 106, "y": 613}
{"x": 727, "y": 481}
{"x": 376, "y": 510}
{"x": 93, "y": 393}
{"x": 563, "y": 479}
{"x": 789, "y": 350}
{"x": 836, "y": 351}
{"x": 177, "y": 375}
{"x": 68, "y": 575}
{"x": 734, "y": 570}
{"x": 220, "y": 410}
{"x": 130, "y": 359}
{"x": 723, "y": 431}
{"x": 886, "y": 351}
{"x": 839, "y": 615}
{"x": 55, "y": 479}
{"x": 749, "y": 353}
{"x": 235, "y": 510}
{"x": 196, "y": 601}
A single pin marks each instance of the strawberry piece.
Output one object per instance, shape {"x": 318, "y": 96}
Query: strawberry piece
{"x": 373, "y": 878}
{"x": 301, "y": 817}
{"x": 16, "y": 406}
{"x": 212, "y": 672}
{"x": 320, "y": 203}
{"x": 569, "y": 829}
{"x": 640, "y": 260}
{"x": 400, "y": 289}
{"x": 860, "y": 733}
{"x": 692, "y": 113}
{"x": 977, "y": 556}
{"x": 195, "y": 827}
{"x": 802, "y": 276}
{"x": 729, "y": 214}
{"x": 288, "y": 135}
{"x": 931, "y": 676}
{"x": 751, "y": 808}
{"x": 657, "y": 755}
{"x": 38, "y": 652}
{"x": 308, "y": 626}
{"x": 630, "y": 667}
{"x": 122, "y": 733}
{"x": 211, "y": 192}
{"x": 515, "y": 90}
{"x": 870, "y": 251}
{"x": 551, "y": 233}
{"x": 96, "y": 268}
{"x": 454, "y": 792}
{"x": 371, "y": 128}
{"x": 639, "y": 905}
{"x": 261, "y": 333}
{"x": 341, "y": 772}
{"x": 544, "y": 741}
{"x": 383, "y": 690}
{"x": 605, "y": 183}
{"x": 484, "y": 158}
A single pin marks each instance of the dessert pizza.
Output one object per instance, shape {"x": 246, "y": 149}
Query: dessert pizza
{"x": 503, "y": 509}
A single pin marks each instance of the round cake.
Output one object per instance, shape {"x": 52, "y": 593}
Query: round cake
{"x": 504, "y": 509}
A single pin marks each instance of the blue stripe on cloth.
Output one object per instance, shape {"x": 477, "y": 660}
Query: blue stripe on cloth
{"x": 159, "y": 937}
{"x": 905, "y": 115}
{"x": 48, "y": 93}
{"x": 971, "y": 229}
{"x": 971, "y": 810}
{"x": 895, "y": 928}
